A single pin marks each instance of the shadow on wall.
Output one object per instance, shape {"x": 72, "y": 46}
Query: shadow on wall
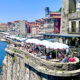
{"x": 48, "y": 77}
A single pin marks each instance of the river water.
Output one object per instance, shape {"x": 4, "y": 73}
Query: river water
{"x": 3, "y": 45}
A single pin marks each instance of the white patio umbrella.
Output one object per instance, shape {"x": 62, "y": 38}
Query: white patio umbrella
{"x": 38, "y": 42}
{"x": 17, "y": 38}
{"x": 57, "y": 45}
{"x": 12, "y": 37}
{"x": 28, "y": 40}
{"x": 35, "y": 41}
{"x": 25, "y": 39}
{"x": 46, "y": 43}
{"x": 61, "y": 46}
{"x": 21, "y": 39}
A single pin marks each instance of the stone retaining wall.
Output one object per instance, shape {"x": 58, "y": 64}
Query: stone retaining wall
{"x": 18, "y": 67}
{"x": 48, "y": 64}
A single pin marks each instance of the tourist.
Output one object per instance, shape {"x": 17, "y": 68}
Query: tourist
{"x": 69, "y": 56}
{"x": 66, "y": 58}
{"x": 37, "y": 49}
{"x": 72, "y": 59}
{"x": 72, "y": 55}
{"x": 33, "y": 52}
{"x": 22, "y": 44}
{"x": 12, "y": 45}
{"x": 50, "y": 55}
{"x": 15, "y": 45}
{"x": 47, "y": 57}
{"x": 39, "y": 54}
{"x": 62, "y": 60}
{"x": 60, "y": 56}
{"x": 77, "y": 42}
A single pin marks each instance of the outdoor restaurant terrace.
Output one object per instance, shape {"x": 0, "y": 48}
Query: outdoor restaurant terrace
{"x": 44, "y": 49}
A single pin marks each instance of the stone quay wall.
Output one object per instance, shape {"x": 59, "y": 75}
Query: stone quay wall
{"x": 48, "y": 64}
{"x": 21, "y": 65}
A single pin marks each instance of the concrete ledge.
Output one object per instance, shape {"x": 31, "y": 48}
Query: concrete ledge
{"x": 44, "y": 66}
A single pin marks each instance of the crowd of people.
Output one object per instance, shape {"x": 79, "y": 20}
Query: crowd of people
{"x": 41, "y": 52}
{"x": 67, "y": 58}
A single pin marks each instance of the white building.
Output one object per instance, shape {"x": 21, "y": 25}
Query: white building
{"x": 17, "y": 28}
{"x": 22, "y": 28}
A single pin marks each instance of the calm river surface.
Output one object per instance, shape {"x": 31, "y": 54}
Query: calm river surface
{"x": 3, "y": 45}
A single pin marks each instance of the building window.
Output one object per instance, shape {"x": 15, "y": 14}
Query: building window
{"x": 73, "y": 26}
{"x": 56, "y": 23}
{"x": 79, "y": 26}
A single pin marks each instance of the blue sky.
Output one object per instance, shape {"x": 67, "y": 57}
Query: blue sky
{"x": 11, "y": 10}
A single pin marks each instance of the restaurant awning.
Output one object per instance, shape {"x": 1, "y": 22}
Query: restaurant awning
{"x": 61, "y": 35}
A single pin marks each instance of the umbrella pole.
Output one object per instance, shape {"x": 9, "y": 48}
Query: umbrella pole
{"x": 56, "y": 54}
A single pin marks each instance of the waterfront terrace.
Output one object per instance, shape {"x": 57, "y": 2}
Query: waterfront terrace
{"x": 42, "y": 65}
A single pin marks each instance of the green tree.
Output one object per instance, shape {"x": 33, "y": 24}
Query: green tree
{"x": 0, "y": 30}
{"x": 59, "y": 10}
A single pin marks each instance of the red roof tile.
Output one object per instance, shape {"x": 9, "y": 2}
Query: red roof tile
{"x": 54, "y": 13}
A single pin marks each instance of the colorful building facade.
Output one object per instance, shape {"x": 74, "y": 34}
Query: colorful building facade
{"x": 3, "y": 27}
{"x": 17, "y": 27}
{"x": 32, "y": 28}
{"x": 52, "y": 23}
{"x": 41, "y": 25}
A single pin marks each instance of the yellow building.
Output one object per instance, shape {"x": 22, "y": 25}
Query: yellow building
{"x": 3, "y": 27}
